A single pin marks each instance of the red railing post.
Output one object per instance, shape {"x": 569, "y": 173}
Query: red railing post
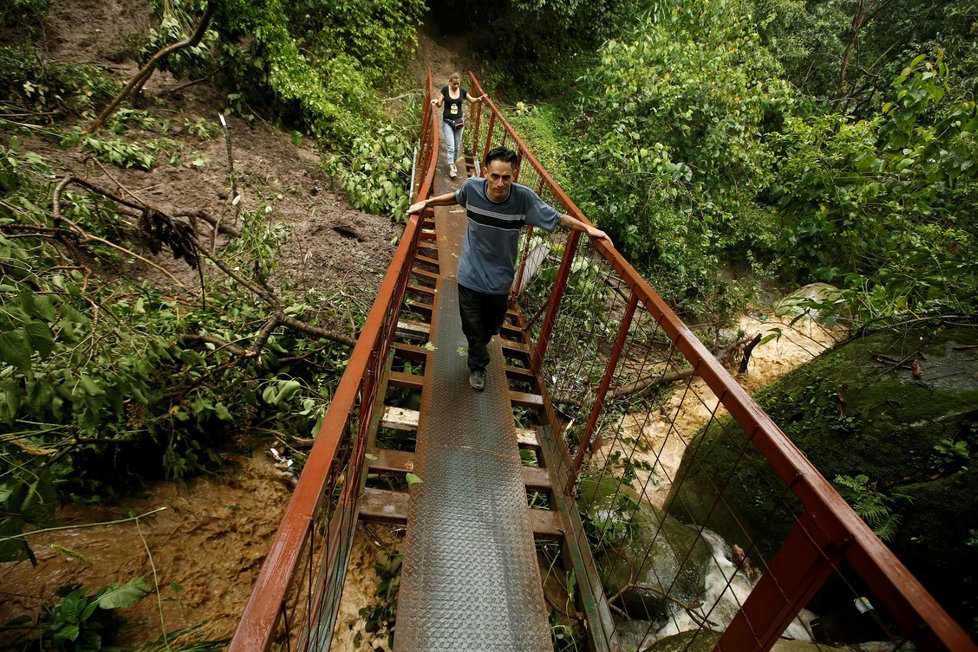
{"x": 806, "y": 559}
{"x": 553, "y": 303}
{"x": 477, "y": 111}
{"x": 616, "y": 349}
{"x": 492, "y": 126}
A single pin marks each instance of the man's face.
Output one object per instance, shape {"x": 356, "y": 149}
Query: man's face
{"x": 499, "y": 176}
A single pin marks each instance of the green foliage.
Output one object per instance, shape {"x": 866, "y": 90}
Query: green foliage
{"x": 881, "y": 206}
{"x": 807, "y": 40}
{"x": 122, "y": 152}
{"x": 177, "y": 20}
{"x": 605, "y": 528}
{"x": 954, "y": 454}
{"x": 201, "y": 128}
{"x": 319, "y": 79}
{"x": 97, "y": 386}
{"x": 53, "y": 90}
{"x": 373, "y": 171}
{"x": 380, "y": 616}
{"x": 541, "y": 126}
{"x": 27, "y": 13}
{"x": 566, "y": 638}
{"x": 813, "y": 39}
{"x": 872, "y": 506}
{"x": 25, "y": 502}
{"x": 314, "y": 65}
{"x": 376, "y": 33}
{"x": 86, "y": 621}
{"x": 534, "y": 48}
{"x": 317, "y": 62}
{"x": 673, "y": 154}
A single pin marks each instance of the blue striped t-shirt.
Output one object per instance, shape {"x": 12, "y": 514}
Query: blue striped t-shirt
{"x": 488, "y": 259}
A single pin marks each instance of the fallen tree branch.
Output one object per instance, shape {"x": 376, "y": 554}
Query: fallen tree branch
{"x": 744, "y": 361}
{"x": 685, "y": 606}
{"x": 634, "y": 387}
{"x": 315, "y": 331}
{"x": 136, "y": 83}
{"x": 24, "y": 535}
{"x": 82, "y": 237}
{"x": 183, "y": 242}
{"x": 218, "y": 342}
{"x": 215, "y": 223}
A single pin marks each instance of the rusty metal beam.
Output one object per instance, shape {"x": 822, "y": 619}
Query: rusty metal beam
{"x": 806, "y": 559}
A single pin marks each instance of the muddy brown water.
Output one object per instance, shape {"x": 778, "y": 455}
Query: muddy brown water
{"x": 203, "y": 551}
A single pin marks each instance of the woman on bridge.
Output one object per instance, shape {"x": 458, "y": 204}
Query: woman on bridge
{"x": 451, "y": 97}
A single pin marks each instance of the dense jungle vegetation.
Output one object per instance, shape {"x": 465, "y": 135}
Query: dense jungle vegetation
{"x": 722, "y": 143}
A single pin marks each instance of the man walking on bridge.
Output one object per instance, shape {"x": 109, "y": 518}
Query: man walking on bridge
{"x": 497, "y": 208}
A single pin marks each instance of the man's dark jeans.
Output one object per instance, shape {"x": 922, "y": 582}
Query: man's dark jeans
{"x": 482, "y": 315}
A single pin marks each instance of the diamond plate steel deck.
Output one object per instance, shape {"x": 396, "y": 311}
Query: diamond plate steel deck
{"x": 469, "y": 578}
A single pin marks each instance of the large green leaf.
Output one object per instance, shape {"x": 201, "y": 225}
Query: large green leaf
{"x": 40, "y": 337}
{"x": 120, "y": 597}
{"x": 15, "y": 349}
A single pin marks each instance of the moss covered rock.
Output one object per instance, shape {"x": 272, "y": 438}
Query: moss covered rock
{"x": 898, "y": 407}
{"x": 642, "y": 552}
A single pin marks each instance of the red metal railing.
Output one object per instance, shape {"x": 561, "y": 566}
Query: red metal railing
{"x": 294, "y": 601}
{"x": 597, "y": 362}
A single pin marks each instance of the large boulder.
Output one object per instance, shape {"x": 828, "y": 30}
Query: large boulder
{"x": 899, "y": 407}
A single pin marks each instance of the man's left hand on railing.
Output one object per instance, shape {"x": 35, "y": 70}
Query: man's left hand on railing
{"x": 447, "y": 199}
{"x": 570, "y": 222}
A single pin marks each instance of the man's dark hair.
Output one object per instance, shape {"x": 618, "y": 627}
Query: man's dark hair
{"x": 503, "y": 154}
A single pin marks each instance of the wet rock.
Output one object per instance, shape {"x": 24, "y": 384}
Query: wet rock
{"x": 646, "y": 554}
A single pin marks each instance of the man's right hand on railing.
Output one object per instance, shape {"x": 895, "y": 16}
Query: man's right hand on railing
{"x": 447, "y": 199}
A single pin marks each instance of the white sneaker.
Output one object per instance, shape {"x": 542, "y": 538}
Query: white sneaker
{"x": 452, "y": 171}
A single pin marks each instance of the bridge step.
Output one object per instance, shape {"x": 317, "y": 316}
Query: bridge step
{"x": 410, "y": 328}
{"x": 403, "y": 419}
{"x": 391, "y": 507}
{"x": 410, "y": 351}
{"x": 385, "y": 460}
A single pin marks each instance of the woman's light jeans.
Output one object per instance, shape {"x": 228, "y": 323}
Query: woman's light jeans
{"x": 453, "y": 141}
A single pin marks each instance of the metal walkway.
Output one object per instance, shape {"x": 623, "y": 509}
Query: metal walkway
{"x": 470, "y": 578}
